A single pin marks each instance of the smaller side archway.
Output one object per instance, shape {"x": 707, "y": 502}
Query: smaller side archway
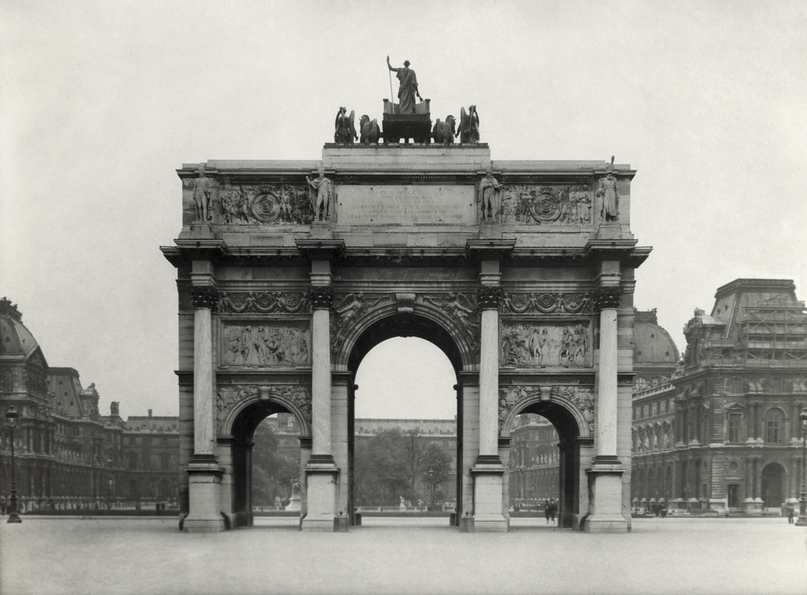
{"x": 773, "y": 485}
{"x": 575, "y": 446}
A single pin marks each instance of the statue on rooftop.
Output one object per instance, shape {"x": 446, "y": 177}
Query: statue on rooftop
{"x": 469, "y": 126}
{"x": 408, "y": 88}
{"x": 443, "y": 132}
{"x": 324, "y": 188}
{"x": 344, "y": 128}
{"x": 609, "y": 194}
{"x": 370, "y": 132}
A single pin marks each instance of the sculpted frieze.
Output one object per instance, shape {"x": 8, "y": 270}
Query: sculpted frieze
{"x": 547, "y": 205}
{"x": 228, "y": 397}
{"x": 265, "y": 302}
{"x": 265, "y": 346}
{"x": 269, "y": 204}
{"x": 347, "y": 310}
{"x": 545, "y": 346}
{"x": 547, "y": 303}
{"x": 580, "y": 397}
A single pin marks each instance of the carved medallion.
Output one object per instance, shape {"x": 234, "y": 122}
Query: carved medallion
{"x": 544, "y": 205}
{"x": 272, "y": 204}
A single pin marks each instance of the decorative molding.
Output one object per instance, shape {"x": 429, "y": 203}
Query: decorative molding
{"x": 607, "y": 298}
{"x": 548, "y": 303}
{"x": 462, "y": 310}
{"x": 265, "y": 302}
{"x": 581, "y": 398}
{"x": 229, "y": 397}
{"x": 205, "y": 297}
{"x": 545, "y": 345}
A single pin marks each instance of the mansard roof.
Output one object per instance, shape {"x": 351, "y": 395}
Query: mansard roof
{"x": 152, "y": 425}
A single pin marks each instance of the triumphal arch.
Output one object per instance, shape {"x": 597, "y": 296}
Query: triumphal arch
{"x": 290, "y": 272}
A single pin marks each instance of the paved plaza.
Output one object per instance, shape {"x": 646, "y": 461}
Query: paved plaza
{"x": 149, "y": 556}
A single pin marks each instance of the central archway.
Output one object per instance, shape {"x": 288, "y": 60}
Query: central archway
{"x": 363, "y": 341}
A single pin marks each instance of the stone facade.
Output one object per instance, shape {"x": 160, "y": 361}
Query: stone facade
{"x": 289, "y": 272}
{"x": 721, "y": 431}
{"x": 534, "y": 463}
{"x": 67, "y": 454}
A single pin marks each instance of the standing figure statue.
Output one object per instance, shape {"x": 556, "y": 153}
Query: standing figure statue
{"x": 609, "y": 194}
{"x": 324, "y": 188}
{"x": 344, "y": 129}
{"x": 201, "y": 196}
{"x": 408, "y": 89}
{"x": 490, "y": 194}
{"x": 469, "y": 126}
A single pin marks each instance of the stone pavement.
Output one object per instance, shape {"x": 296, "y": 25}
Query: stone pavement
{"x": 149, "y": 556}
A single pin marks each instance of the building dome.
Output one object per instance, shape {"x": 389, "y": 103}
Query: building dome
{"x": 15, "y": 339}
{"x": 651, "y": 343}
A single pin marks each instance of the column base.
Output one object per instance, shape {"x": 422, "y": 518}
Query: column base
{"x": 204, "y": 491}
{"x": 488, "y": 508}
{"x": 321, "y": 477}
{"x": 605, "y": 489}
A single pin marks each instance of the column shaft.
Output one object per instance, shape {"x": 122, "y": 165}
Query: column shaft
{"x": 321, "y": 383}
{"x": 607, "y": 385}
{"x": 489, "y": 383}
{"x": 204, "y": 436}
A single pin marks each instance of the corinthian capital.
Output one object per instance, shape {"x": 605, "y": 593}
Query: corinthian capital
{"x": 321, "y": 298}
{"x": 607, "y": 297}
{"x": 489, "y": 298}
{"x": 205, "y": 297}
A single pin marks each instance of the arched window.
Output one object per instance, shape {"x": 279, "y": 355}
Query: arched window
{"x": 774, "y": 426}
{"x": 132, "y": 460}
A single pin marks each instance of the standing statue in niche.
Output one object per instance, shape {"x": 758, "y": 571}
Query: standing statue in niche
{"x": 324, "y": 189}
{"x": 469, "y": 126}
{"x": 408, "y": 88}
{"x": 609, "y": 194}
{"x": 344, "y": 128}
{"x": 490, "y": 194}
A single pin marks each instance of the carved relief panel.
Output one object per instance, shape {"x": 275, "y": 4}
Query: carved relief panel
{"x": 268, "y": 204}
{"x": 537, "y": 345}
{"x": 265, "y": 345}
{"x": 530, "y": 204}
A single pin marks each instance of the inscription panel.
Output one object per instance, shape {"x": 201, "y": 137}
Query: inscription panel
{"x": 406, "y": 205}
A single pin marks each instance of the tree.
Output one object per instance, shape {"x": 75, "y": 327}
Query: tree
{"x": 435, "y": 468}
{"x": 271, "y": 473}
{"x": 383, "y": 469}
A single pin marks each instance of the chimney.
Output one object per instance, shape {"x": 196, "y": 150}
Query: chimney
{"x": 149, "y": 412}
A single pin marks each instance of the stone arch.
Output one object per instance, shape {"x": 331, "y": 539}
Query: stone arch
{"x": 773, "y": 479}
{"x": 775, "y": 420}
{"x": 571, "y": 407}
{"x": 421, "y": 319}
{"x": 294, "y": 399}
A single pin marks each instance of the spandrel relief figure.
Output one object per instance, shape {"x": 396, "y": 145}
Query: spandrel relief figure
{"x": 344, "y": 127}
{"x": 490, "y": 197}
{"x": 408, "y": 87}
{"x": 325, "y": 190}
{"x": 469, "y": 126}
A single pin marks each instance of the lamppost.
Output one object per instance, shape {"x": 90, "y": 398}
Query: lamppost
{"x": 11, "y": 422}
{"x": 802, "y": 520}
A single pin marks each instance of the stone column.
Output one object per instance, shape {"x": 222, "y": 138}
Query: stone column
{"x": 321, "y": 471}
{"x": 606, "y": 471}
{"x": 204, "y": 472}
{"x": 488, "y": 472}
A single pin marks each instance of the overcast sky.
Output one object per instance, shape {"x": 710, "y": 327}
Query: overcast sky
{"x": 101, "y": 101}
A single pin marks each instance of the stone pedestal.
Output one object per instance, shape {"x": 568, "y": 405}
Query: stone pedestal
{"x": 488, "y": 515}
{"x": 204, "y": 486}
{"x": 321, "y": 477}
{"x": 605, "y": 489}
{"x": 294, "y": 503}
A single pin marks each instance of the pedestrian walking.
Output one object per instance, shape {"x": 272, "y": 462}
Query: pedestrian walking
{"x": 547, "y": 511}
{"x": 790, "y": 513}
{"x": 553, "y": 508}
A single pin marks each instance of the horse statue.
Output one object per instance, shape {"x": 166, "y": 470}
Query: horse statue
{"x": 469, "y": 126}
{"x": 344, "y": 130}
{"x": 444, "y": 132}
{"x": 370, "y": 132}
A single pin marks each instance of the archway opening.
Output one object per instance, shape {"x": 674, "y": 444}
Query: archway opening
{"x": 267, "y": 467}
{"x": 773, "y": 485}
{"x": 405, "y": 439}
{"x": 544, "y": 467}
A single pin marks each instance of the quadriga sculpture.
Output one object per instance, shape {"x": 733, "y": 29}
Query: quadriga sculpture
{"x": 444, "y": 132}
{"x": 370, "y": 132}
